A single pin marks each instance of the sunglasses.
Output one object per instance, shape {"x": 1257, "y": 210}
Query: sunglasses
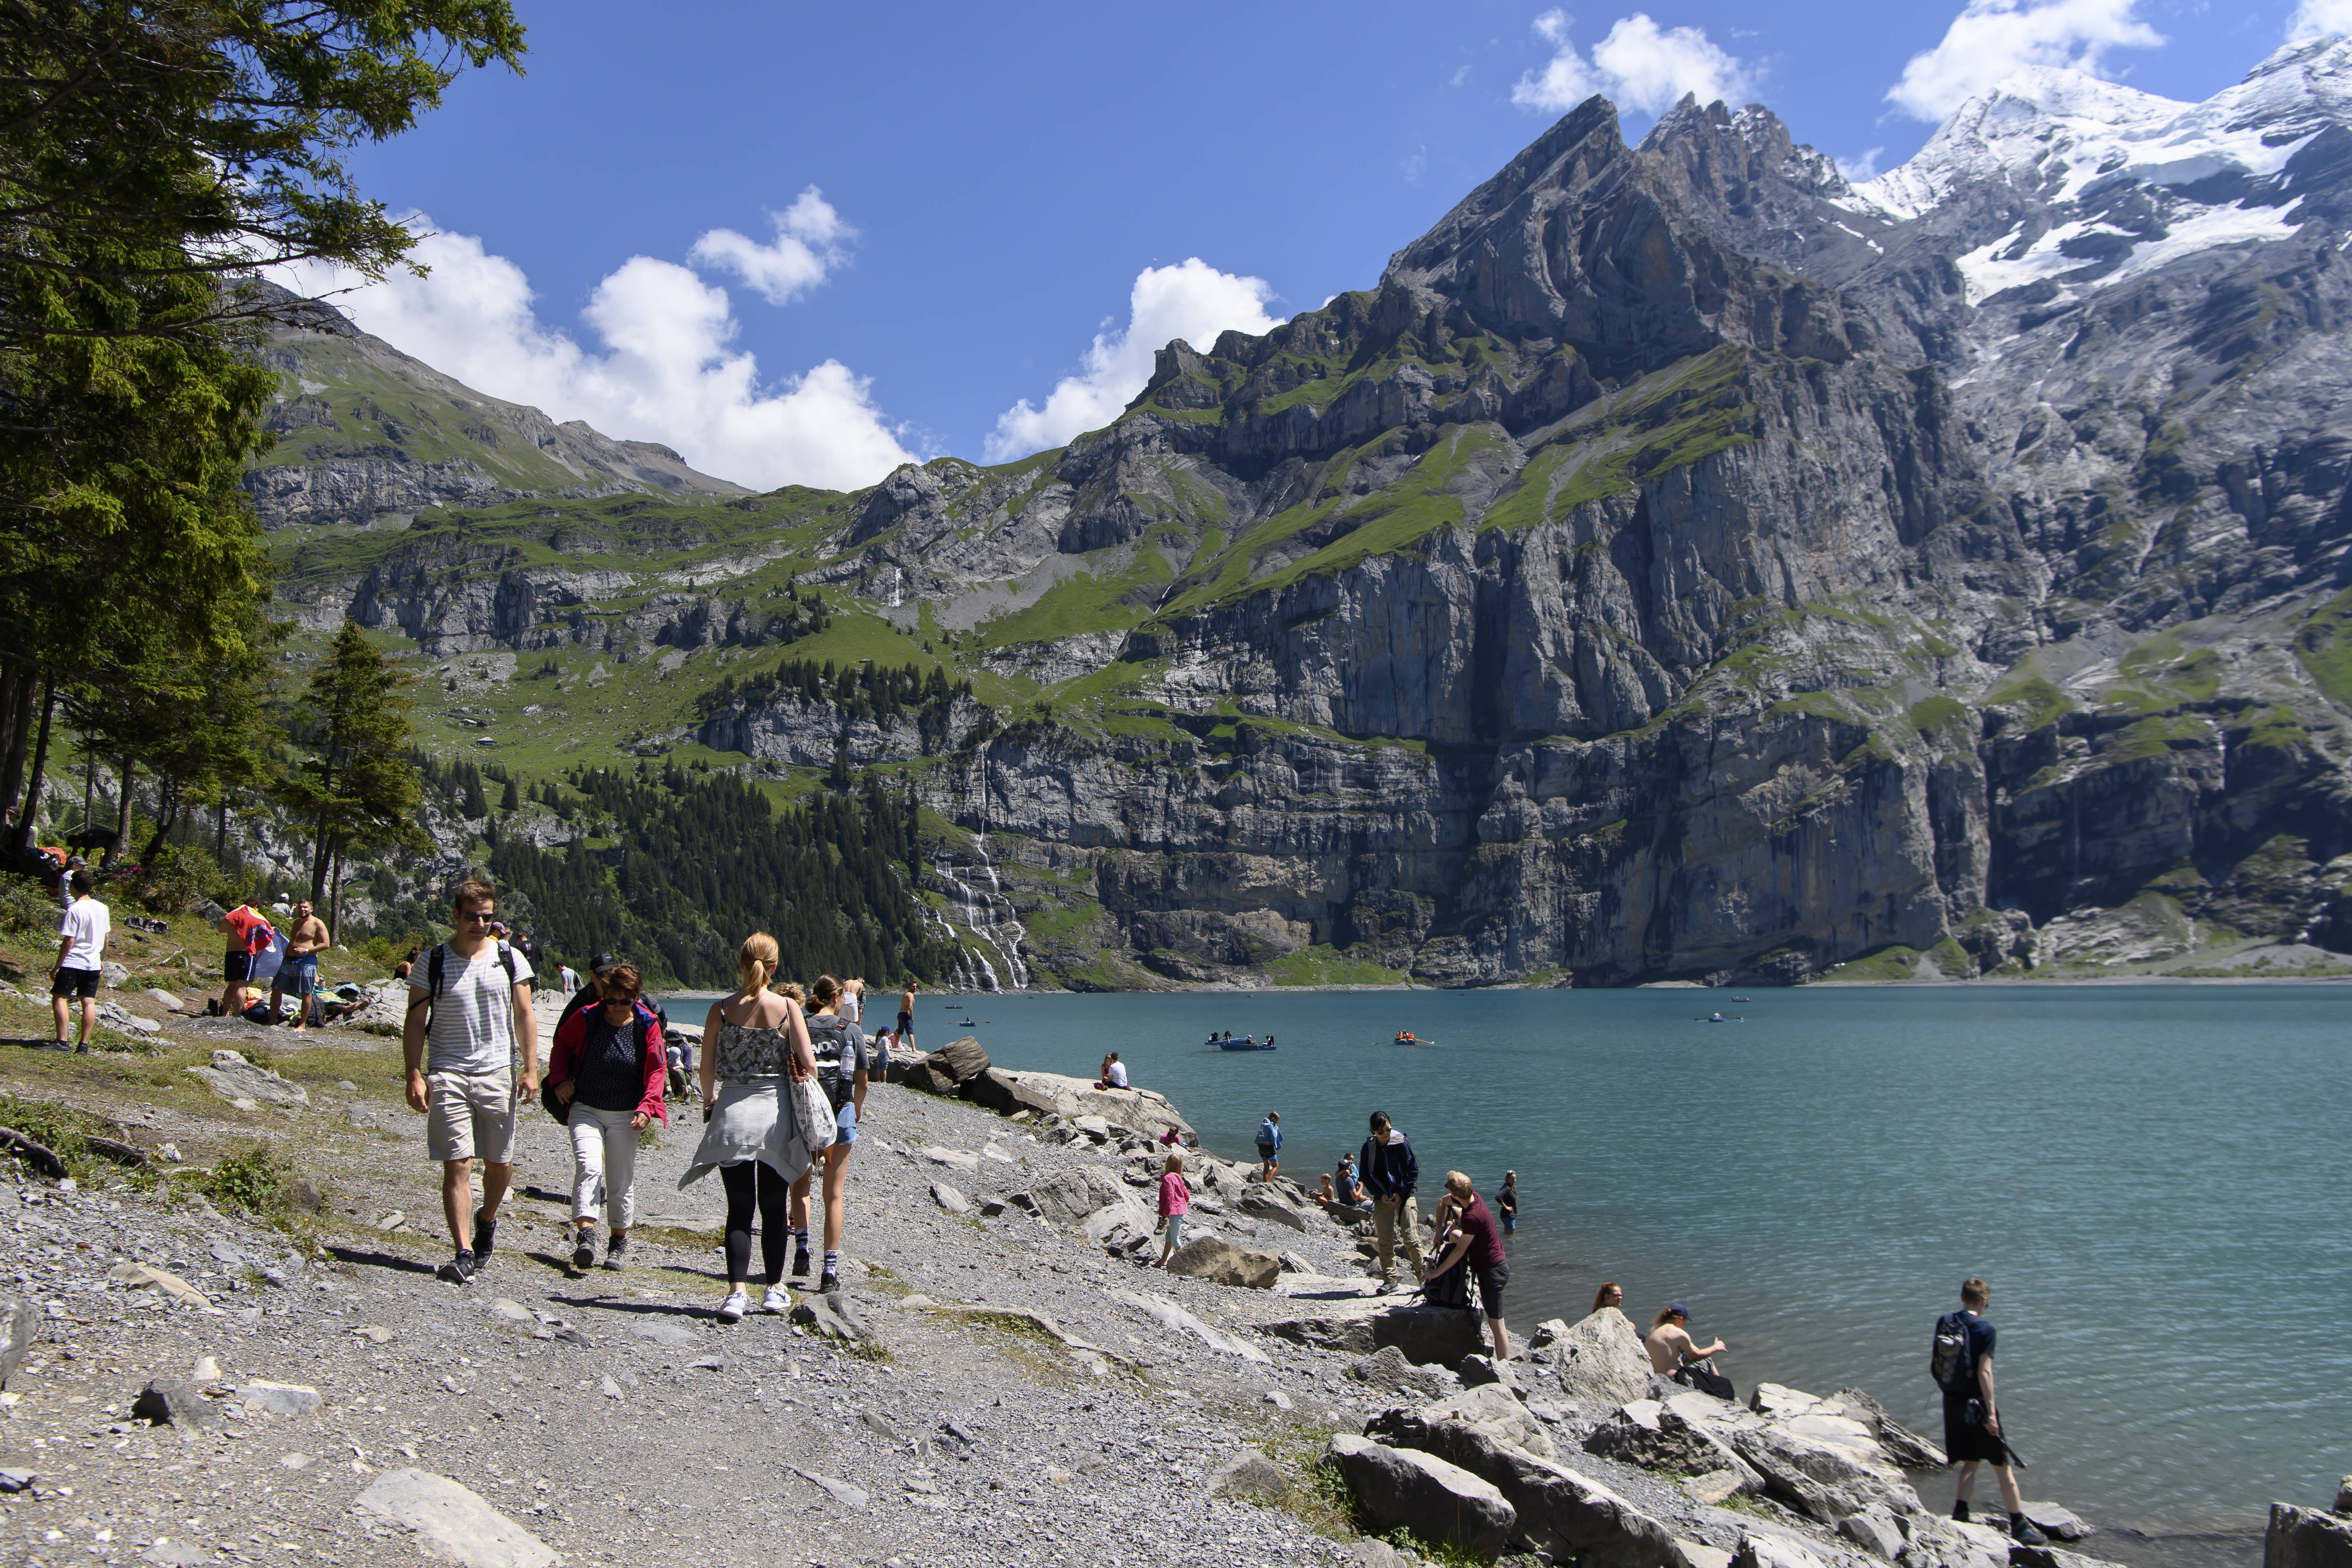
{"x": 478, "y": 917}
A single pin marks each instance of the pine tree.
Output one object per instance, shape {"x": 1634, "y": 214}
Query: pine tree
{"x": 354, "y": 784}
{"x": 510, "y": 798}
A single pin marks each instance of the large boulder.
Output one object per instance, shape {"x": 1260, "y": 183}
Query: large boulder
{"x": 1433, "y": 1336}
{"x": 929, "y": 1078}
{"x": 1387, "y": 1369}
{"x": 1067, "y": 1196}
{"x": 1142, "y": 1111}
{"x": 1259, "y": 1203}
{"x": 1407, "y": 1489}
{"x": 962, "y": 1060}
{"x": 1818, "y": 1475}
{"x": 1757, "y": 1550}
{"x": 1600, "y": 1361}
{"x": 231, "y": 1077}
{"x": 1649, "y": 1434}
{"x": 1248, "y": 1475}
{"x": 1560, "y": 1511}
{"x": 1220, "y": 1262}
{"x": 1901, "y": 1444}
{"x": 1486, "y": 1408}
{"x": 2306, "y": 1538}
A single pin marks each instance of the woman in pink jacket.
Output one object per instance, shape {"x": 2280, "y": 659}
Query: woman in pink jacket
{"x": 609, "y": 1069}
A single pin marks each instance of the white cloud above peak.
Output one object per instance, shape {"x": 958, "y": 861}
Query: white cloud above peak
{"x": 666, "y": 369}
{"x": 1991, "y": 39}
{"x": 1191, "y": 300}
{"x": 1637, "y": 64}
{"x": 811, "y": 241}
{"x": 2319, "y": 19}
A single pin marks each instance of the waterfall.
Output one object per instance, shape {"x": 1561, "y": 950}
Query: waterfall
{"x": 977, "y": 910}
{"x": 896, "y": 596}
{"x": 996, "y": 894}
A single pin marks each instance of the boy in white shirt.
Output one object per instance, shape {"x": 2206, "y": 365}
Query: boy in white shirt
{"x": 81, "y": 957}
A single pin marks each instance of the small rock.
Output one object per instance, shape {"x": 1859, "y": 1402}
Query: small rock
{"x": 663, "y": 1332}
{"x": 1249, "y": 1474}
{"x": 1388, "y": 1369}
{"x": 832, "y": 1314}
{"x": 295, "y": 1461}
{"x": 956, "y": 1159}
{"x": 306, "y": 1195}
{"x": 175, "y": 1554}
{"x": 1478, "y": 1369}
{"x": 16, "y": 1481}
{"x": 223, "y": 1253}
{"x": 17, "y": 1328}
{"x": 206, "y": 1370}
{"x": 375, "y": 1333}
{"x": 164, "y": 999}
{"x": 2062, "y": 1523}
{"x": 1875, "y": 1531}
{"x": 168, "y": 1152}
{"x": 455, "y": 1520}
{"x": 841, "y": 1492}
{"x": 611, "y": 1390}
{"x": 1220, "y": 1262}
{"x": 234, "y": 1079}
{"x": 347, "y": 1086}
{"x": 709, "y": 1364}
{"x": 1278, "y": 1399}
{"x": 167, "y": 1401}
{"x": 392, "y": 1221}
{"x": 1294, "y": 1264}
{"x": 948, "y": 1199}
{"x": 279, "y": 1398}
{"x": 881, "y": 1428}
{"x": 511, "y": 1311}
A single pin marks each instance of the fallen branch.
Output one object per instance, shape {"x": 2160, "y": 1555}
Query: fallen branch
{"x": 40, "y": 1156}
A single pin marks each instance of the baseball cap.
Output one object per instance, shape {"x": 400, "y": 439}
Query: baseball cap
{"x": 602, "y": 962}
{"x": 1675, "y": 1309}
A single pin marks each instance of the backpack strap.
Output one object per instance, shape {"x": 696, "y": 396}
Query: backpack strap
{"x": 434, "y": 966}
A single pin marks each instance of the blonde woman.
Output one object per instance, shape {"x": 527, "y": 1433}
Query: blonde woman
{"x": 1477, "y": 1241}
{"x": 841, "y": 1069}
{"x": 755, "y": 1041}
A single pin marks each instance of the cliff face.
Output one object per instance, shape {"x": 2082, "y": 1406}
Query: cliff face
{"x": 1683, "y": 564}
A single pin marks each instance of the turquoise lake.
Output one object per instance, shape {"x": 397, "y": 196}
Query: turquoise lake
{"x": 2155, "y": 1179}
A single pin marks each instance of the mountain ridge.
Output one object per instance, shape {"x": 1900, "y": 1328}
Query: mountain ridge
{"x": 1673, "y": 567}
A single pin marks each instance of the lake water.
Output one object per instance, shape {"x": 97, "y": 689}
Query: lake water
{"x": 2155, "y": 1179}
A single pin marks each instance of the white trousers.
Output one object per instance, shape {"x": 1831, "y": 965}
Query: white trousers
{"x": 604, "y": 1161}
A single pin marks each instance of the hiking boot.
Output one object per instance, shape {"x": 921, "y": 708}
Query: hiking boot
{"x": 778, "y": 1301}
{"x": 616, "y": 1253}
{"x": 1960, "y": 1511}
{"x": 583, "y": 1251}
{"x": 799, "y": 1263}
{"x": 2022, "y": 1531}
{"x": 828, "y": 1283}
{"x": 485, "y": 1236}
{"x": 459, "y": 1271}
{"x": 731, "y": 1309}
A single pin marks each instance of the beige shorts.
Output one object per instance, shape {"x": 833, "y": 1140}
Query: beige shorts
{"x": 469, "y": 1116}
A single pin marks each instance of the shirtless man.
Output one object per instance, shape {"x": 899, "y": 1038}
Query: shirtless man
{"x": 306, "y": 939}
{"x": 1676, "y": 1354}
{"x": 907, "y": 1016}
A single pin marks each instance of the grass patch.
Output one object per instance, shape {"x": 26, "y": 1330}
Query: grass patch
{"x": 1893, "y": 961}
{"x": 2323, "y": 646}
{"x": 59, "y": 1129}
{"x": 253, "y": 1179}
{"x": 1323, "y": 964}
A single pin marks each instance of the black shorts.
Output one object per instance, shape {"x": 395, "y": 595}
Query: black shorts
{"x": 236, "y": 967}
{"x": 75, "y": 983}
{"x": 905, "y": 1025}
{"x": 1965, "y": 1440}
{"x": 1491, "y": 1280}
{"x": 1266, "y": 1153}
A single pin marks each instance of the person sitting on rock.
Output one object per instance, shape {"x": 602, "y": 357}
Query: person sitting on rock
{"x": 1347, "y": 1187}
{"x": 1611, "y": 1294}
{"x": 1175, "y": 1203}
{"x": 1114, "y": 1073}
{"x": 1675, "y": 1354}
{"x": 1478, "y": 1242}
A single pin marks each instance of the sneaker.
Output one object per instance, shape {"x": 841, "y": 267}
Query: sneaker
{"x": 616, "y": 1252}
{"x": 485, "y": 1236}
{"x": 459, "y": 1271}
{"x": 801, "y": 1263}
{"x": 583, "y": 1251}
{"x": 1960, "y": 1511}
{"x": 1388, "y": 1288}
{"x": 828, "y": 1283}
{"x": 2022, "y": 1531}
{"x": 777, "y": 1302}
{"x": 731, "y": 1309}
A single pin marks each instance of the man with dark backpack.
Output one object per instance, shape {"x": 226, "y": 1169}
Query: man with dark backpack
{"x": 1960, "y": 1361}
{"x": 469, "y": 998}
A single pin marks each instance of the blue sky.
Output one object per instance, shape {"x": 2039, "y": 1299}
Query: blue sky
{"x": 801, "y": 242}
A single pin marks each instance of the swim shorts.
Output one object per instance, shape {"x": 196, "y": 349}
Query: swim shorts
{"x": 75, "y": 983}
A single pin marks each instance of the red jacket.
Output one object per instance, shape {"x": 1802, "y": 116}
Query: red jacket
{"x": 571, "y": 1035}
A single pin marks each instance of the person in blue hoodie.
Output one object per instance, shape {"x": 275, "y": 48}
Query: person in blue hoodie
{"x": 1391, "y": 1171}
{"x": 1269, "y": 1146}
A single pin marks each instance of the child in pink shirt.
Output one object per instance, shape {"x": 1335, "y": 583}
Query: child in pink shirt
{"x": 1175, "y": 1203}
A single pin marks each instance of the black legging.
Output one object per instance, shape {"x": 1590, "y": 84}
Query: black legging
{"x": 774, "y": 1203}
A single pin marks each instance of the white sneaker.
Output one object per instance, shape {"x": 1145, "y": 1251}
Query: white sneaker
{"x": 731, "y": 1309}
{"x": 778, "y": 1301}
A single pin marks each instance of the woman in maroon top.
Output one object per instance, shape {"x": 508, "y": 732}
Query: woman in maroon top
{"x": 1479, "y": 1242}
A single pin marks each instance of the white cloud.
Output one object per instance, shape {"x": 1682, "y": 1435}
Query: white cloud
{"x": 1414, "y": 164}
{"x": 2319, "y": 19}
{"x": 1191, "y": 300}
{"x": 666, "y": 370}
{"x": 1990, "y": 39}
{"x": 1857, "y": 170}
{"x": 810, "y": 242}
{"x": 1639, "y": 65}
{"x": 1461, "y": 76}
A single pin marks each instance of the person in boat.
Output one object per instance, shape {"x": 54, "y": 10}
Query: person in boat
{"x": 1718, "y": 1018}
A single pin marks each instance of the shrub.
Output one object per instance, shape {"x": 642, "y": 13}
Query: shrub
{"x": 252, "y": 1179}
{"x": 182, "y": 875}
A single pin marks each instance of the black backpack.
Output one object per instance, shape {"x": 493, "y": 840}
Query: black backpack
{"x": 433, "y": 965}
{"x": 1950, "y": 1358}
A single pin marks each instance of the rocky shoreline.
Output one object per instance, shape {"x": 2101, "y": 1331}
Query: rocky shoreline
{"x": 1003, "y": 1380}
